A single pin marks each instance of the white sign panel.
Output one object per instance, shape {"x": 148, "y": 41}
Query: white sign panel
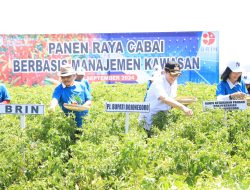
{"x": 22, "y": 109}
{"x": 141, "y": 107}
{"x": 227, "y": 105}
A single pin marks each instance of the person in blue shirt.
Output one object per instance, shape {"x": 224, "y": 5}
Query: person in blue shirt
{"x": 4, "y": 95}
{"x": 80, "y": 74}
{"x": 246, "y": 79}
{"x": 231, "y": 85}
{"x": 67, "y": 91}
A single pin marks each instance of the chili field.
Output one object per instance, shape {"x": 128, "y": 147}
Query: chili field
{"x": 209, "y": 150}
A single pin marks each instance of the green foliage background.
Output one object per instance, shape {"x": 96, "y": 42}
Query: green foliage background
{"x": 209, "y": 150}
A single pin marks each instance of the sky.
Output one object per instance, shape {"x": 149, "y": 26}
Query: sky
{"x": 230, "y": 18}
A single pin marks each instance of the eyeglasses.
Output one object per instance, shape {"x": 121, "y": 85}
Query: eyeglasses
{"x": 175, "y": 75}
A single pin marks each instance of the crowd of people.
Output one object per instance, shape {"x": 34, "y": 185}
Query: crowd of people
{"x": 161, "y": 90}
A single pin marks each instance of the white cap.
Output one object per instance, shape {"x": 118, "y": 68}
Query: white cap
{"x": 246, "y": 77}
{"x": 156, "y": 72}
{"x": 157, "y": 68}
{"x": 235, "y": 66}
{"x": 80, "y": 71}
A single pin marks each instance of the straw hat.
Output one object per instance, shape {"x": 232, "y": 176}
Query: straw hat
{"x": 66, "y": 70}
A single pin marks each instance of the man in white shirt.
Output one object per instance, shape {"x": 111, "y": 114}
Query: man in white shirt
{"x": 161, "y": 94}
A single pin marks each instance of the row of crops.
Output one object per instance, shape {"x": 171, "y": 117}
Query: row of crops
{"x": 209, "y": 150}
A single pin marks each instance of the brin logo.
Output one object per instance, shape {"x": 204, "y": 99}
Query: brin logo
{"x": 237, "y": 64}
{"x": 208, "y": 38}
{"x": 1, "y": 40}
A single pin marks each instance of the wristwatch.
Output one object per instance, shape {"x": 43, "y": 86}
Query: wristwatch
{"x": 230, "y": 97}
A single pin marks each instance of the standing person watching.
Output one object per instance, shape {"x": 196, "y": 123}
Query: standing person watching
{"x": 246, "y": 79}
{"x": 4, "y": 95}
{"x": 231, "y": 85}
{"x": 67, "y": 91}
{"x": 161, "y": 94}
{"x": 157, "y": 72}
{"x": 80, "y": 74}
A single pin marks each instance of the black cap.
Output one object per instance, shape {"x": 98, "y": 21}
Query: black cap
{"x": 173, "y": 68}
